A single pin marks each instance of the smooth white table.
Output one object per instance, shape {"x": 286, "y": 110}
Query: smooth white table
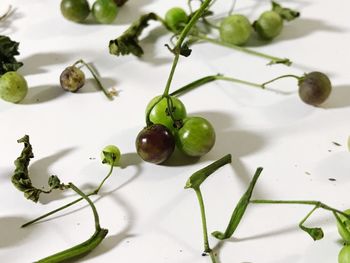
{"x": 150, "y": 217}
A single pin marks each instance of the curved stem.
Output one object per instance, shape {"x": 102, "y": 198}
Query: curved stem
{"x": 95, "y": 192}
{"x": 273, "y": 60}
{"x": 94, "y": 211}
{"x": 199, "y": 82}
{"x": 301, "y": 202}
{"x": 280, "y": 77}
{"x": 85, "y": 247}
{"x": 107, "y": 92}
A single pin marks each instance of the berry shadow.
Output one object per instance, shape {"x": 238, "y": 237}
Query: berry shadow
{"x": 42, "y": 93}
{"x": 339, "y": 97}
{"x": 35, "y": 64}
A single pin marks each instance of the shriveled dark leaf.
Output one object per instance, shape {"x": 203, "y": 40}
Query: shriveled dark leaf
{"x": 128, "y": 42}
{"x": 185, "y": 50}
{"x": 20, "y": 178}
{"x": 286, "y": 13}
{"x": 8, "y": 51}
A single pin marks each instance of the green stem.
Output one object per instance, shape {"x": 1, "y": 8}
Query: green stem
{"x": 273, "y": 60}
{"x": 306, "y": 217}
{"x": 171, "y": 75}
{"x": 280, "y": 77}
{"x": 85, "y": 247}
{"x": 107, "y": 92}
{"x": 211, "y": 78}
{"x": 194, "y": 182}
{"x": 318, "y": 204}
{"x": 207, "y": 248}
{"x": 201, "y": 175}
{"x": 95, "y": 192}
{"x": 181, "y": 39}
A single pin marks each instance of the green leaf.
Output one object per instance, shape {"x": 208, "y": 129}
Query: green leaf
{"x": 128, "y": 42}
{"x": 286, "y": 13}
{"x": 239, "y": 210}
{"x": 315, "y": 232}
{"x": 8, "y": 51}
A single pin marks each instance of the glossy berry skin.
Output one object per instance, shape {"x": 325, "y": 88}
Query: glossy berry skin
{"x": 105, "y": 11}
{"x": 160, "y": 113}
{"x": 13, "y": 87}
{"x": 235, "y": 29}
{"x": 314, "y": 88}
{"x": 155, "y": 143}
{"x": 75, "y": 10}
{"x": 176, "y": 18}
{"x": 344, "y": 255}
{"x": 269, "y": 25}
{"x": 196, "y": 137}
{"x": 72, "y": 79}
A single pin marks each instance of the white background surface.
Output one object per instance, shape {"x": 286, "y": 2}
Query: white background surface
{"x": 150, "y": 217}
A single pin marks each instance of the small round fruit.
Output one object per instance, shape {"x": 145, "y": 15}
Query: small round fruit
{"x": 75, "y": 10}
{"x": 344, "y": 255}
{"x": 269, "y": 25}
{"x": 176, "y": 18}
{"x": 160, "y": 113}
{"x": 72, "y": 79}
{"x": 196, "y": 137}
{"x": 155, "y": 143}
{"x": 235, "y": 30}
{"x": 344, "y": 232}
{"x": 111, "y": 155}
{"x": 314, "y": 88}
{"x": 105, "y": 11}
{"x": 13, "y": 87}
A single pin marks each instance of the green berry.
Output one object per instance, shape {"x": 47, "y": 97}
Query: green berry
{"x": 111, "y": 155}
{"x": 269, "y": 25}
{"x": 105, "y": 11}
{"x": 235, "y": 30}
{"x": 176, "y": 18}
{"x": 13, "y": 87}
{"x": 75, "y": 10}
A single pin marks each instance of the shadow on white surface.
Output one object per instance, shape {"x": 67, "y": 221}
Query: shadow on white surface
{"x": 339, "y": 97}
{"x": 286, "y": 111}
{"x": 39, "y": 172}
{"x": 6, "y": 26}
{"x": 131, "y": 11}
{"x": 150, "y": 47}
{"x": 11, "y": 232}
{"x": 111, "y": 241}
{"x": 36, "y": 63}
{"x": 42, "y": 93}
{"x": 302, "y": 27}
{"x": 103, "y": 194}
